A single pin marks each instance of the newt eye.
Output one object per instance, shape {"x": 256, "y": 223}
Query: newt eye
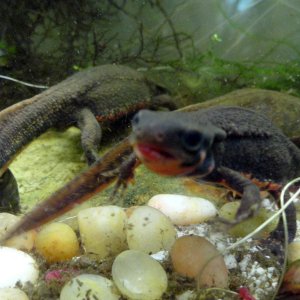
{"x": 192, "y": 140}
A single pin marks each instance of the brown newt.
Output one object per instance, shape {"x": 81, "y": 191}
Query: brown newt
{"x": 103, "y": 94}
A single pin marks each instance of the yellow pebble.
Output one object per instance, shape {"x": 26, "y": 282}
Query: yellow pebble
{"x": 57, "y": 242}
{"x": 293, "y": 251}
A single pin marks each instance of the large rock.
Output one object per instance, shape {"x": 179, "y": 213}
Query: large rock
{"x": 281, "y": 108}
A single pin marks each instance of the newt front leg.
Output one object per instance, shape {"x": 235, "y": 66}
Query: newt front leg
{"x": 251, "y": 200}
{"x": 91, "y": 134}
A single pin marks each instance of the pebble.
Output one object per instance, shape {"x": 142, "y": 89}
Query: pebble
{"x": 291, "y": 280}
{"x": 16, "y": 265}
{"x": 57, "y": 242}
{"x": 228, "y": 212}
{"x": 89, "y": 286}
{"x": 149, "y": 230}
{"x": 293, "y": 251}
{"x": 12, "y": 294}
{"x": 102, "y": 230}
{"x": 196, "y": 257}
{"x": 184, "y": 210}
{"x": 187, "y": 295}
{"x": 138, "y": 276}
{"x": 24, "y": 241}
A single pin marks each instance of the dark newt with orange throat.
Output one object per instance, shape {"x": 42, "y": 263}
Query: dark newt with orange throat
{"x": 102, "y": 94}
{"x": 229, "y": 146}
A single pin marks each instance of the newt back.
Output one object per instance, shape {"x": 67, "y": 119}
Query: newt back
{"x": 110, "y": 91}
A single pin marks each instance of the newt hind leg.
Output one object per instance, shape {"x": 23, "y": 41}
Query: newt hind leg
{"x": 90, "y": 134}
{"x": 9, "y": 194}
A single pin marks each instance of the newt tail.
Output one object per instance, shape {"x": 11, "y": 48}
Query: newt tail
{"x": 100, "y": 175}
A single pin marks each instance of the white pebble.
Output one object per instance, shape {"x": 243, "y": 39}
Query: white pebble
{"x": 245, "y": 262}
{"x": 230, "y": 261}
{"x": 184, "y": 210}
{"x": 12, "y": 294}
{"x": 89, "y": 286}
{"x": 187, "y": 295}
{"x": 16, "y": 265}
{"x": 260, "y": 271}
{"x": 271, "y": 269}
{"x": 160, "y": 256}
{"x": 138, "y": 276}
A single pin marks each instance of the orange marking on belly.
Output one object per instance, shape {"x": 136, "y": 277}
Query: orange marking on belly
{"x": 116, "y": 115}
{"x": 224, "y": 184}
{"x": 266, "y": 185}
{"x": 263, "y": 185}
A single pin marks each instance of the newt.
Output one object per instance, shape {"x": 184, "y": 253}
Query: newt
{"x": 103, "y": 94}
{"x": 229, "y": 146}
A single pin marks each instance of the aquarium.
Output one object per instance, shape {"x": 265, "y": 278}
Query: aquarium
{"x": 149, "y": 149}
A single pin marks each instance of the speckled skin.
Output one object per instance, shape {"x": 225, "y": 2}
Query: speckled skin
{"x": 240, "y": 147}
{"x": 101, "y": 94}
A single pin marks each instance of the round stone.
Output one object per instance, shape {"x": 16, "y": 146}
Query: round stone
{"x": 138, "y": 276}
{"x": 57, "y": 242}
{"x": 102, "y": 230}
{"x": 89, "y": 286}
{"x": 196, "y": 257}
{"x": 16, "y": 266}
{"x": 149, "y": 230}
{"x": 294, "y": 251}
{"x": 184, "y": 210}
{"x": 24, "y": 241}
{"x": 12, "y": 294}
{"x": 228, "y": 211}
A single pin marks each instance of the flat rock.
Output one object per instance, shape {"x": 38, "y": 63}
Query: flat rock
{"x": 283, "y": 109}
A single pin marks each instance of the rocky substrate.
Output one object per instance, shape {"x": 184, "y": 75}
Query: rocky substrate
{"x": 143, "y": 252}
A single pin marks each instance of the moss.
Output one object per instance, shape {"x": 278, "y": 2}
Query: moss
{"x": 201, "y": 77}
{"x": 46, "y": 164}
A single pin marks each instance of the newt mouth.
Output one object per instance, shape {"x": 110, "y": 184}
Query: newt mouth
{"x": 150, "y": 152}
{"x": 160, "y": 160}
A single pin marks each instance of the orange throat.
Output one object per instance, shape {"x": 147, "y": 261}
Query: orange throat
{"x": 160, "y": 161}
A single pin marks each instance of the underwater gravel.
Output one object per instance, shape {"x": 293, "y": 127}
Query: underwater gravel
{"x": 248, "y": 265}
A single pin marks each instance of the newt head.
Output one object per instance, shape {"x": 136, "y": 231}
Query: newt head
{"x": 171, "y": 143}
